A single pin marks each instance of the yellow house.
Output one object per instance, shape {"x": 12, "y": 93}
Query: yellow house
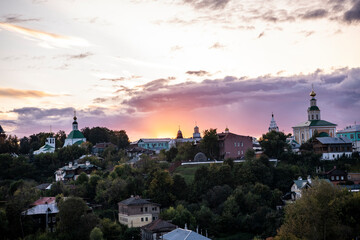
{"x": 137, "y": 212}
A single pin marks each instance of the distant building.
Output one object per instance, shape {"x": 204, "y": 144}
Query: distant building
{"x": 49, "y": 146}
{"x": 335, "y": 176}
{"x": 100, "y": 147}
{"x": 332, "y": 148}
{"x": 195, "y": 139}
{"x": 137, "y": 212}
{"x": 354, "y": 177}
{"x": 156, "y": 229}
{"x": 352, "y": 133}
{"x": 135, "y": 152}
{"x": 305, "y": 130}
{"x": 299, "y": 185}
{"x": 154, "y": 144}
{"x": 295, "y": 146}
{"x": 232, "y": 145}
{"x": 72, "y": 171}
{"x": 43, "y": 213}
{"x": 2, "y": 135}
{"x": 75, "y": 137}
{"x": 183, "y": 234}
{"x": 273, "y": 126}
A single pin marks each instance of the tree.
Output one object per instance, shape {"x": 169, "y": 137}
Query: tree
{"x": 209, "y": 144}
{"x": 159, "y": 188}
{"x": 110, "y": 229}
{"x": 75, "y": 221}
{"x": 274, "y": 144}
{"x": 317, "y": 215}
{"x": 24, "y": 145}
{"x": 96, "y": 234}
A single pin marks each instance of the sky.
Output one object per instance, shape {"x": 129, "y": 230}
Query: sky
{"x": 152, "y": 66}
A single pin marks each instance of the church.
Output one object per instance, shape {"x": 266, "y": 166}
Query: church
{"x": 75, "y": 136}
{"x": 305, "y": 130}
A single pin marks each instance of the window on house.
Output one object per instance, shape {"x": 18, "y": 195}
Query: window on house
{"x": 238, "y": 152}
{"x": 332, "y": 178}
{"x": 153, "y": 218}
{"x": 146, "y": 209}
{"x": 351, "y": 136}
{"x": 142, "y": 219}
{"x": 302, "y": 136}
{"x": 235, "y": 144}
{"x": 342, "y": 177}
{"x": 312, "y": 117}
{"x": 54, "y": 219}
{"x": 141, "y": 209}
{"x": 242, "y": 152}
{"x": 317, "y": 117}
{"x": 242, "y": 144}
{"x": 337, "y": 177}
{"x": 146, "y": 219}
{"x": 358, "y": 135}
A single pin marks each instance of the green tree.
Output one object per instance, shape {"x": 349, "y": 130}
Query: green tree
{"x": 274, "y": 144}
{"x": 209, "y": 144}
{"x": 75, "y": 221}
{"x": 317, "y": 215}
{"x": 96, "y": 234}
{"x": 110, "y": 229}
{"x": 159, "y": 188}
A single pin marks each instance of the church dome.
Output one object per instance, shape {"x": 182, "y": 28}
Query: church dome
{"x": 313, "y": 93}
{"x": 179, "y": 134}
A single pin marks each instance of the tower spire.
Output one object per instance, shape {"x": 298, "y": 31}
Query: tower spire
{"x": 273, "y": 126}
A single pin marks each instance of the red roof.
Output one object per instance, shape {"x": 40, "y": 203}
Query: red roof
{"x": 44, "y": 200}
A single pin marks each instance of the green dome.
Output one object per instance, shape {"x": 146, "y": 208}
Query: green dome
{"x": 75, "y": 134}
{"x": 314, "y": 108}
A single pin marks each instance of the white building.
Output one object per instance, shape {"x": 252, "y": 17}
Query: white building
{"x": 49, "y": 146}
{"x": 75, "y": 137}
{"x": 273, "y": 126}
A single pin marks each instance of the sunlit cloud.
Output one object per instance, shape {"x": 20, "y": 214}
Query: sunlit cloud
{"x": 18, "y": 93}
{"x": 45, "y": 39}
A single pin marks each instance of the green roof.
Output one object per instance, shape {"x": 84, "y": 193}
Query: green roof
{"x": 314, "y": 108}
{"x": 315, "y": 123}
{"x": 78, "y": 142}
{"x": 323, "y": 134}
{"x": 75, "y": 134}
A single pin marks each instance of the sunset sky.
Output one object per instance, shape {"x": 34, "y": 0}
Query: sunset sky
{"x": 150, "y": 66}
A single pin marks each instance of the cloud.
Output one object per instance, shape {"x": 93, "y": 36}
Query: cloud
{"x": 80, "y": 56}
{"x": 211, "y": 4}
{"x": 45, "y": 39}
{"x": 217, "y": 45}
{"x": 18, "y": 93}
{"x": 314, "y": 14}
{"x": 15, "y": 18}
{"x": 342, "y": 84}
{"x": 176, "y": 48}
{"x": 353, "y": 15}
{"x": 261, "y": 35}
{"x": 200, "y": 73}
{"x": 119, "y": 79}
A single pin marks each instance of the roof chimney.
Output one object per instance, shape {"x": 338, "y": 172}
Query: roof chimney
{"x": 186, "y": 226}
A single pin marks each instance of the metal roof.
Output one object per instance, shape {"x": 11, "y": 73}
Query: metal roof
{"x": 42, "y": 209}
{"x": 136, "y": 201}
{"x": 334, "y": 140}
{"x": 353, "y": 128}
{"x": 315, "y": 123}
{"x": 183, "y": 234}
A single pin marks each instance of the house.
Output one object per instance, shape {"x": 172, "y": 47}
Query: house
{"x": 134, "y": 153}
{"x": 336, "y": 176}
{"x": 49, "y": 146}
{"x": 353, "y": 133}
{"x": 100, "y": 147}
{"x": 232, "y": 145}
{"x": 298, "y": 187}
{"x": 295, "y": 146}
{"x": 156, "y": 229}
{"x": 155, "y": 144}
{"x": 332, "y": 147}
{"x": 72, "y": 171}
{"x": 183, "y": 234}
{"x": 43, "y": 213}
{"x": 44, "y": 186}
{"x": 354, "y": 177}
{"x": 305, "y": 130}
{"x": 137, "y": 212}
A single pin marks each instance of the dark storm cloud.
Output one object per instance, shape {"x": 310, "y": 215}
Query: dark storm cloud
{"x": 314, "y": 14}
{"x": 212, "y": 4}
{"x": 342, "y": 84}
{"x": 353, "y": 15}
